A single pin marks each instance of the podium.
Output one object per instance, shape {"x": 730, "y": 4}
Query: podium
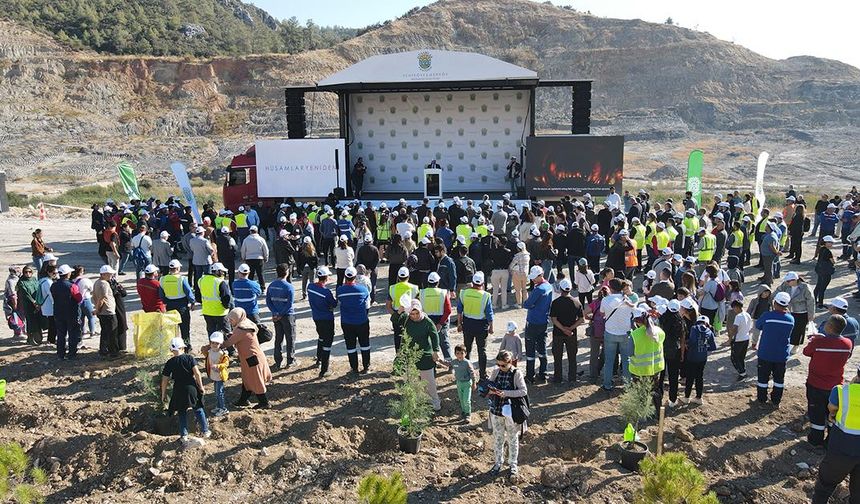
{"x": 433, "y": 183}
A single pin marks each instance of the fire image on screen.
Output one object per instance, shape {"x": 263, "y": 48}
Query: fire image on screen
{"x": 561, "y": 165}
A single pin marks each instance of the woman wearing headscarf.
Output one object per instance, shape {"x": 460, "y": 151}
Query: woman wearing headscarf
{"x": 255, "y": 370}
{"x": 423, "y": 332}
{"x": 27, "y": 287}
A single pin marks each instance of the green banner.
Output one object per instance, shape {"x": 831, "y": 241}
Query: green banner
{"x": 694, "y": 176}
{"x": 128, "y": 180}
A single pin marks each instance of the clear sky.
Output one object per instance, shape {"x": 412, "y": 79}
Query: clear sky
{"x": 776, "y": 29}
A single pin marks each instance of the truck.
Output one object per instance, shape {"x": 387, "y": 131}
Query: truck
{"x": 240, "y": 182}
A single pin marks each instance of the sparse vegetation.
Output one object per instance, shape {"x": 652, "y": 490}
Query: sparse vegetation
{"x": 377, "y": 489}
{"x": 17, "y": 483}
{"x": 672, "y": 479}
{"x": 84, "y": 196}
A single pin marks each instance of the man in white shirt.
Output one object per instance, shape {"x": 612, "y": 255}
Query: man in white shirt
{"x": 613, "y": 200}
{"x": 739, "y": 335}
{"x": 255, "y": 253}
{"x": 143, "y": 242}
{"x": 617, "y": 313}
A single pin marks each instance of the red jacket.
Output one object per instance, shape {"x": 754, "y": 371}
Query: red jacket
{"x": 147, "y": 289}
{"x": 829, "y": 355}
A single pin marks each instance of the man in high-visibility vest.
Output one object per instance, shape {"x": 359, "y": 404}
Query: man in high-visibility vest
{"x": 475, "y": 319}
{"x": 661, "y": 239}
{"x": 215, "y": 298}
{"x": 465, "y": 230}
{"x": 690, "y": 225}
{"x": 482, "y": 228}
{"x": 395, "y": 292}
{"x": 177, "y": 294}
{"x": 424, "y": 229}
{"x": 843, "y": 448}
{"x": 735, "y": 242}
{"x": 647, "y": 361}
{"x": 638, "y": 232}
{"x": 707, "y": 245}
{"x": 437, "y": 306}
{"x": 241, "y": 224}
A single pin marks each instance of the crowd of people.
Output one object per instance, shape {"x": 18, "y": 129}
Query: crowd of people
{"x": 657, "y": 286}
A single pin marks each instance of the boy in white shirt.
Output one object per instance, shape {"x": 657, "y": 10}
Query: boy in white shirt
{"x": 739, "y": 336}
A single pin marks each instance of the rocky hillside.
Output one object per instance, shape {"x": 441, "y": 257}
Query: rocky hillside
{"x": 76, "y": 114}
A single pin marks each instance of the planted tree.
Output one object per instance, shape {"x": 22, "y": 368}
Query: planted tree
{"x": 672, "y": 479}
{"x": 636, "y": 403}
{"x": 18, "y": 481}
{"x": 148, "y": 381}
{"x": 377, "y": 489}
{"x": 412, "y": 405}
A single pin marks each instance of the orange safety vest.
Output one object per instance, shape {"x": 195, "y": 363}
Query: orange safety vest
{"x": 631, "y": 260}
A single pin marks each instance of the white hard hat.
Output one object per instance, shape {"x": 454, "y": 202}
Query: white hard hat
{"x": 782, "y": 299}
{"x": 350, "y": 272}
{"x": 65, "y": 269}
{"x": 322, "y": 271}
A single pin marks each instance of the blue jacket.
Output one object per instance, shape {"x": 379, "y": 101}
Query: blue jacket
{"x": 322, "y": 302}
{"x": 253, "y": 218}
{"x": 245, "y": 294}
{"x": 538, "y": 303}
{"x": 447, "y": 273}
{"x": 699, "y": 343}
{"x": 353, "y": 303}
{"x": 345, "y": 227}
{"x": 446, "y": 235}
{"x": 279, "y": 298}
{"x": 179, "y": 304}
{"x": 852, "y": 329}
{"x": 328, "y": 228}
{"x": 594, "y": 244}
{"x": 774, "y": 344}
{"x": 828, "y": 223}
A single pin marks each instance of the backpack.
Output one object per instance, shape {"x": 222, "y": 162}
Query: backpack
{"x": 720, "y": 293}
{"x": 40, "y": 293}
{"x": 139, "y": 256}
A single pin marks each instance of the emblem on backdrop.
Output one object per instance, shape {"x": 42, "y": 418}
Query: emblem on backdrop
{"x": 425, "y": 60}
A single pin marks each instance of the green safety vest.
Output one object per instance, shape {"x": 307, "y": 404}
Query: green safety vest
{"x": 465, "y": 231}
{"x": 706, "y": 253}
{"x": 762, "y": 226}
{"x": 241, "y": 220}
{"x": 226, "y": 222}
{"x": 672, "y": 232}
{"x": 738, "y": 239}
{"x": 784, "y": 238}
{"x": 647, "y": 358}
{"x": 172, "y": 287}
{"x": 754, "y": 206}
{"x": 383, "y": 231}
{"x": 433, "y": 300}
{"x": 663, "y": 240}
{"x": 474, "y": 303}
{"x": 848, "y": 415}
{"x": 652, "y": 230}
{"x": 312, "y": 217}
{"x": 210, "y": 287}
{"x": 482, "y": 230}
{"x": 218, "y": 221}
{"x": 396, "y": 291}
{"x": 640, "y": 236}
{"x": 423, "y": 229}
{"x": 691, "y": 225}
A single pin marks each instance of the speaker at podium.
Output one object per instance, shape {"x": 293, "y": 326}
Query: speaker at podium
{"x": 433, "y": 181}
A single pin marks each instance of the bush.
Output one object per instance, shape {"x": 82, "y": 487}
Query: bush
{"x": 412, "y": 406}
{"x": 376, "y": 489}
{"x": 672, "y": 479}
{"x": 636, "y": 403}
{"x": 14, "y": 477}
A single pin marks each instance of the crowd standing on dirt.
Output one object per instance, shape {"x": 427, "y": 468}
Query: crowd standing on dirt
{"x": 656, "y": 286}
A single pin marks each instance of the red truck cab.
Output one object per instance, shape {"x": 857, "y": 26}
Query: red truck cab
{"x": 240, "y": 182}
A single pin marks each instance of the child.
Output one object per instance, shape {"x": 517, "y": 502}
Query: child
{"x": 187, "y": 389}
{"x": 739, "y": 336}
{"x": 605, "y": 276}
{"x": 512, "y": 343}
{"x": 464, "y": 374}
{"x": 758, "y": 307}
{"x": 700, "y": 341}
{"x": 733, "y": 293}
{"x": 362, "y": 278}
{"x": 650, "y": 278}
{"x": 216, "y": 367}
{"x": 735, "y": 272}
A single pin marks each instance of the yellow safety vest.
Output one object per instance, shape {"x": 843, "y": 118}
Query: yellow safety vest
{"x": 482, "y": 230}
{"x": 210, "y": 291}
{"x": 754, "y": 206}
{"x": 474, "y": 303}
{"x": 423, "y": 229}
{"x": 672, "y": 232}
{"x": 652, "y": 230}
{"x": 706, "y": 253}
{"x": 647, "y": 358}
{"x": 397, "y": 291}
{"x": 218, "y": 222}
{"x": 640, "y": 236}
{"x": 848, "y": 415}
{"x": 662, "y": 239}
{"x": 129, "y": 220}
{"x": 762, "y": 226}
{"x": 383, "y": 231}
{"x": 465, "y": 231}
{"x": 241, "y": 220}
{"x": 738, "y": 239}
{"x": 784, "y": 238}
{"x": 226, "y": 222}
{"x": 172, "y": 286}
{"x": 691, "y": 225}
{"x": 433, "y": 300}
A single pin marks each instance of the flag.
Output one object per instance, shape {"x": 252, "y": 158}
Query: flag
{"x": 128, "y": 180}
{"x": 694, "y": 176}
{"x": 759, "y": 183}
{"x": 181, "y": 174}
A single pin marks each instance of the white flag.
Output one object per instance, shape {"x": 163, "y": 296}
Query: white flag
{"x": 181, "y": 174}
{"x": 759, "y": 183}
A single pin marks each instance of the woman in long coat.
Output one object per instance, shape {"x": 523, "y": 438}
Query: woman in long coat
{"x": 254, "y": 367}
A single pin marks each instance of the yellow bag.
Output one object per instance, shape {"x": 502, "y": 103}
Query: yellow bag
{"x": 153, "y": 332}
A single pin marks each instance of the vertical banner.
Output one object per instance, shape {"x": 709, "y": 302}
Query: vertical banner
{"x": 759, "y": 183}
{"x": 181, "y": 174}
{"x": 694, "y": 176}
{"x": 128, "y": 180}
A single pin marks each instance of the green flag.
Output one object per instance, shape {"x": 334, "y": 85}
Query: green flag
{"x": 129, "y": 180}
{"x": 694, "y": 176}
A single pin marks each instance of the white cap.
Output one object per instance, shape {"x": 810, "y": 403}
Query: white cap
{"x": 661, "y": 225}
{"x": 565, "y": 284}
{"x": 344, "y": 238}
{"x": 368, "y": 238}
{"x": 478, "y": 278}
{"x": 828, "y": 239}
{"x": 150, "y": 268}
{"x": 283, "y": 218}
{"x": 777, "y": 215}
{"x": 241, "y": 208}
{"x": 283, "y": 233}
{"x": 200, "y": 230}
{"x": 243, "y": 268}
{"x": 225, "y": 229}
{"x": 623, "y": 232}
{"x": 461, "y": 239}
{"x": 690, "y": 211}
{"x": 106, "y": 269}
{"x": 174, "y": 264}
{"x": 306, "y": 239}
{"x": 674, "y": 306}
{"x": 177, "y": 344}
{"x": 322, "y": 271}
{"x": 521, "y": 245}
{"x": 782, "y": 298}
{"x": 49, "y": 257}
{"x": 426, "y": 241}
{"x": 512, "y": 326}
{"x": 253, "y": 229}
{"x": 473, "y": 235}
{"x": 839, "y": 303}
{"x": 403, "y": 272}
{"x": 515, "y": 233}
{"x": 703, "y": 318}
{"x": 594, "y": 227}
{"x": 747, "y": 218}
{"x": 433, "y": 277}
{"x": 689, "y": 304}
{"x": 651, "y": 274}
{"x": 790, "y": 198}
{"x": 217, "y": 267}
{"x": 666, "y": 251}
{"x": 65, "y": 269}
{"x": 350, "y": 272}
{"x": 491, "y": 228}
{"x": 677, "y": 257}
{"x": 723, "y": 203}
{"x": 535, "y": 272}
{"x": 164, "y": 234}
{"x": 534, "y": 231}
{"x": 639, "y": 312}
{"x": 464, "y": 219}
{"x": 718, "y": 216}
{"x": 790, "y": 276}
{"x": 216, "y": 337}
{"x": 832, "y": 206}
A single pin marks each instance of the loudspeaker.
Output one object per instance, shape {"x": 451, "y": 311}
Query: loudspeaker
{"x": 296, "y": 119}
{"x": 581, "y": 104}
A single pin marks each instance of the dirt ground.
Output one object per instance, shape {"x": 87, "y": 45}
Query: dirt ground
{"x": 88, "y": 424}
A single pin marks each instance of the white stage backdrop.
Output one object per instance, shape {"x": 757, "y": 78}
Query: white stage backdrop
{"x": 472, "y": 135}
{"x": 301, "y": 168}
